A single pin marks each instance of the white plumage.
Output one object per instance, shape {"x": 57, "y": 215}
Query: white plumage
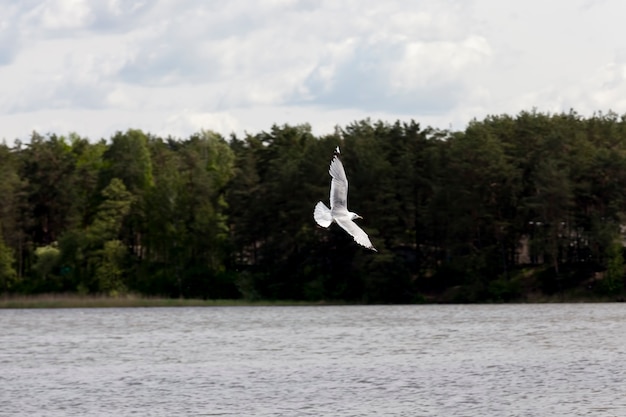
{"x": 338, "y": 211}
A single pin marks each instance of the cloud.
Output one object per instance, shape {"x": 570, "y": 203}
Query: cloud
{"x": 8, "y": 43}
{"x": 250, "y": 53}
{"x": 237, "y": 65}
{"x": 66, "y": 18}
{"x": 60, "y": 15}
{"x": 10, "y": 39}
{"x": 272, "y": 54}
{"x": 57, "y": 74}
{"x": 401, "y": 77}
{"x": 278, "y": 54}
{"x": 605, "y": 90}
{"x": 182, "y": 123}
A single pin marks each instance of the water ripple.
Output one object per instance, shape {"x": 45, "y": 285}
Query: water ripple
{"x": 508, "y": 360}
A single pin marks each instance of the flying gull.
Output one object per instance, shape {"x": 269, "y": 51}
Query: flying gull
{"x": 338, "y": 211}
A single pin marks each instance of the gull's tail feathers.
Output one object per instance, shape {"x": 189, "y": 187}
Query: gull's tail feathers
{"x": 322, "y": 215}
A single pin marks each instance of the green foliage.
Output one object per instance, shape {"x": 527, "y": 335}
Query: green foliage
{"x": 613, "y": 281}
{"x": 455, "y": 215}
{"x": 186, "y": 238}
{"x": 128, "y": 159}
{"x": 45, "y": 269}
{"x": 8, "y": 275}
{"x": 502, "y": 290}
{"x": 107, "y": 223}
{"x": 46, "y": 169}
{"x": 110, "y": 270}
{"x": 47, "y": 260}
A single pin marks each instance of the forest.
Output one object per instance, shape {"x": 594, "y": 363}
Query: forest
{"x": 510, "y": 208}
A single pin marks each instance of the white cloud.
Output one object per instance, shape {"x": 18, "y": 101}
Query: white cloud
{"x": 181, "y": 124}
{"x": 10, "y": 36}
{"x": 605, "y": 90}
{"x": 427, "y": 63}
{"x": 94, "y": 66}
{"x": 61, "y": 14}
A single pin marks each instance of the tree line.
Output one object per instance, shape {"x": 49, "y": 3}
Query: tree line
{"x": 512, "y": 204}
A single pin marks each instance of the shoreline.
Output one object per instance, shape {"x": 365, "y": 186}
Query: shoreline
{"x": 54, "y": 301}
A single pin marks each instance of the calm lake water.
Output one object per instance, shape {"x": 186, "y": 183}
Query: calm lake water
{"x": 500, "y": 360}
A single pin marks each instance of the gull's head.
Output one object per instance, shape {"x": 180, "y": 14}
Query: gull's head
{"x": 354, "y": 216}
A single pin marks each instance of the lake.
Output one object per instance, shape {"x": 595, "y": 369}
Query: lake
{"x": 431, "y": 360}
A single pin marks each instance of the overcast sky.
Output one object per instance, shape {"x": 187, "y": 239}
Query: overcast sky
{"x": 173, "y": 67}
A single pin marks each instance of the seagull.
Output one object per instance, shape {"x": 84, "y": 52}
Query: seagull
{"x": 338, "y": 211}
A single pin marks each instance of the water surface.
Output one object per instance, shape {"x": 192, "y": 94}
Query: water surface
{"x": 500, "y": 360}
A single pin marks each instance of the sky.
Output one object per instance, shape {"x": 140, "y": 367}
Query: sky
{"x": 175, "y": 67}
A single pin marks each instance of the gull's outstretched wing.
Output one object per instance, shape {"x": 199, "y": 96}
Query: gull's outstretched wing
{"x": 356, "y": 232}
{"x": 338, "y": 186}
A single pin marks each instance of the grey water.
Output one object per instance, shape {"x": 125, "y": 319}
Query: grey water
{"x": 456, "y": 360}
